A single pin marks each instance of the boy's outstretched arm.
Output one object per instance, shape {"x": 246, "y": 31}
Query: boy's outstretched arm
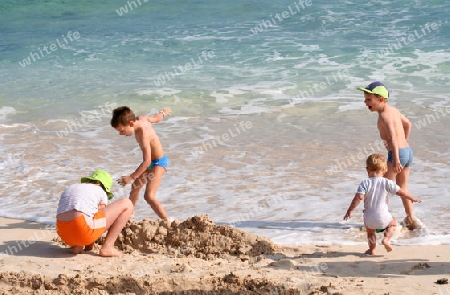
{"x": 159, "y": 116}
{"x": 406, "y": 195}
{"x": 356, "y": 200}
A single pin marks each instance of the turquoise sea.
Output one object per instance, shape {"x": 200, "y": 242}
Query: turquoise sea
{"x": 268, "y": 132}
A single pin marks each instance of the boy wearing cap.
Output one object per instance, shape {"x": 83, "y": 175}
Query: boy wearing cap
{"x": 394, "y": 130}
{"x": 83, "y": 214}
{"x": 155, "y": 162}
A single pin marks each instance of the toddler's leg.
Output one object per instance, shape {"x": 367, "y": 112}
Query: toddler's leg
{"x": 372, "y": 240}
{"x": 388, "y": 234}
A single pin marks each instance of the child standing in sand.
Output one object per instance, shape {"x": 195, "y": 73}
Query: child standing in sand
{"x": 394, "y": 130}
{"x": 375, "y": 191}
{"x": 154, "y": 163}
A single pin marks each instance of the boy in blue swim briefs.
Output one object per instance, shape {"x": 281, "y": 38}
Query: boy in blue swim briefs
{"x": 394, "y": 130}
{"x": 154, "y": 163}
{"x": 374, "y": 191}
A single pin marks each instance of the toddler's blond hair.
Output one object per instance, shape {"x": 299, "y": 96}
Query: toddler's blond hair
{"x": 376, "y": 163}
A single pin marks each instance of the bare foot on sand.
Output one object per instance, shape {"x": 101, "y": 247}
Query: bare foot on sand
{"x": 386, "y": 244}
{"x": 370, "y": 252}
{"x": 110, "y": 252}
{"x": 76, "y": 249}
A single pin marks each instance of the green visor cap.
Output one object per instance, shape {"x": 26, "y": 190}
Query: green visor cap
{"x": 104, "y": 178}
{"x": 377, "y": 88}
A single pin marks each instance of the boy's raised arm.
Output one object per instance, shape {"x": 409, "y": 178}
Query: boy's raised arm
{"x": 159, "y": 116}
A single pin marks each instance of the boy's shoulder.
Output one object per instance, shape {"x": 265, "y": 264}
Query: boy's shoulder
{"x": 389, "y": 113}
{"x": 393, "y": 109}
{"x": 143, "y": 123}
{"x": 146, "y": 124}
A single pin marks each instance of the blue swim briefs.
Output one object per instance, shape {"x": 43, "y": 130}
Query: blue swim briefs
{"x": 405, "y": 154}
{"x": 163, "y": 162}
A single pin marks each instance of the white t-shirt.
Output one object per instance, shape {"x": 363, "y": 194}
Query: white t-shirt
{"x": 83, "y": 197}
{"x": 376, "y": 192}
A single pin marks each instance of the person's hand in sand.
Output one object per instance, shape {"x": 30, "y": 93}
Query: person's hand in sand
{"x": 83, "y": 214}
{"x": 374, "y": 191}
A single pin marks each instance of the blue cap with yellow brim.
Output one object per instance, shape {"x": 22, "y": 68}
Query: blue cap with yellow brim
{"x": 377, "y": 88}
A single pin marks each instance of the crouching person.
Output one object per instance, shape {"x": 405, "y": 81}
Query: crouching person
{"x": 84, "y": 214}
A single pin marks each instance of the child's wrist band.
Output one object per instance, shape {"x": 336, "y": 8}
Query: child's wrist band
{"x": 162, "y": 112}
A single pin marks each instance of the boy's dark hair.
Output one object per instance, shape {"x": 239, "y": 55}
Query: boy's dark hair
{"x": 122, "y": 116}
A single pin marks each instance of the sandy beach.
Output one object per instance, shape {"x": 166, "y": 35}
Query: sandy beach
{"x": 196, "y": 256}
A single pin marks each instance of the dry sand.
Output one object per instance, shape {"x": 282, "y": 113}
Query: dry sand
{"x": 196, "y": 256}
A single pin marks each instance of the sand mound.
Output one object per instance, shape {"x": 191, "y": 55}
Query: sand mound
{"x": 20, "y": 283}
{"x": 196, "y": 237}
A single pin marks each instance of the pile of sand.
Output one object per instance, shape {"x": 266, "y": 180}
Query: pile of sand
{"x": 196, "y": 237}
{"x": 223, "y": 250}
{"x": 21, "y": 283}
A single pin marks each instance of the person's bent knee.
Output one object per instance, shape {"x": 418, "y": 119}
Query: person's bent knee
{"x": 127, "y": 203}
{"x": 150, "y": 199}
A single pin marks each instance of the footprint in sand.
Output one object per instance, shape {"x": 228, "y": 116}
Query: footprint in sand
{"x": 415, "y": 267}
{"x": 283, "y": 264}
